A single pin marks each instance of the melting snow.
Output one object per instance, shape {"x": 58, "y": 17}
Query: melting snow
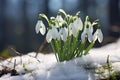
{"x": 45, "y": 67}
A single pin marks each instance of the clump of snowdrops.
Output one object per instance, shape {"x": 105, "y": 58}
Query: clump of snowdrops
{"x": 64, "y": 31}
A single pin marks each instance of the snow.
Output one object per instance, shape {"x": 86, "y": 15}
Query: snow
{"x": 45, "y": 66}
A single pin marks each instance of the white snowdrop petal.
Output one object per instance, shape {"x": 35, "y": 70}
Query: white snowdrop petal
{"x": 78, "y": 23}
{"x": 60, "y": 20}
{"x": 37, "y": 27}
{"x": 66, "y": 30}
{"x": 42, "y": 28}
{"x": 100, "y": 36}
{"x": 58, "y": 36}
{"x": 83, "y": 36}
{"x": 74, "y": 31}
{"x": 64, "y": 37}
{"x": 55, "y": 34}
{"x": 95, "y": 36}
{"x": 49, "y": 36}
{"x": 90, "y": 37}
{"x": 63, "y": 34}
{"x": 81, "y": 24}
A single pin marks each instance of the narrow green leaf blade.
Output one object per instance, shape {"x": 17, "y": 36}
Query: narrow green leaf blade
{"x": 88, "y": 48}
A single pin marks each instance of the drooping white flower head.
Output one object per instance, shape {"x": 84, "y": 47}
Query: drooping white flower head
{"x": 73, "y": 29}
{"x": 78, "y": 23}
{"x": 98, "y": 35}
{"x": 40, "y": 27}
{"x": 86, "y": 33}
{"x": 63, "y": 34}
{"x": 60, "y": 20}
{"x": 89, "y": 34}
{"x": 55, "y": 33}
{"x": 49, "y": 36}
{"x": 52, "y": 34}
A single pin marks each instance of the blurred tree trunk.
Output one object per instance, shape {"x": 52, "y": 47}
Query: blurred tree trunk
{"x": 3, "y": 33}
{"x": 114, "y": 13}
{"x": 26, "y": 27}
{"x": 46, "y": 7}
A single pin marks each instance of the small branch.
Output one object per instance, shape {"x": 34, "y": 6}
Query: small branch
{"x": 14, "y": 63}
{"x": 41, "y": 47}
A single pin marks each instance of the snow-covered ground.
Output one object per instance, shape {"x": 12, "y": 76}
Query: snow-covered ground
{"x": 45, "y": 67}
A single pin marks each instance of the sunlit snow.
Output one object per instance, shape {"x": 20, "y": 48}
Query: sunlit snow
{"x": 45, "y": 67}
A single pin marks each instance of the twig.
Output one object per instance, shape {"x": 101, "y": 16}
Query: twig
{"x": 18, "y": 53}
{"x": 41, "y": 47}
{"x": 14, "y": 63}
{"x": 35, "y": 58}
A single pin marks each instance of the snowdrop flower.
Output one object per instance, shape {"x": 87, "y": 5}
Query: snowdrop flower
{"x": 78, "y": 23}
{"x": 52, "y": 34}
{"x": 60, "y": 20}
{"x": 98, "y": 35}
{"x": 86, "y": 33}
{"x": 49, "y": 36}
{"x": 83, "y": 36}
{"x": 63, "y": 33}
{"x": 67, "y": 30}
{"x": 73, "y": 29}
{"x": 55, "y": 33}
{"x": 40, "y": 27}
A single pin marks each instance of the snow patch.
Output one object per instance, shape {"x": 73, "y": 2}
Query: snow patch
{"x": 45, "y": 67}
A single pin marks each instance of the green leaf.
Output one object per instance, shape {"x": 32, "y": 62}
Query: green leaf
{"x": 54, "y": 50}
{"x": 88, "y": 48}
{"x": 58, "y": 49}
{"x": 81, "y": 48}
{"x": 5, "y": 54}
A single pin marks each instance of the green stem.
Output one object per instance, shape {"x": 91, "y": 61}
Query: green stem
{"x": 54, "y": 50}
{"x": 81, "y": 48}
{"x": 88, "y": 48}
